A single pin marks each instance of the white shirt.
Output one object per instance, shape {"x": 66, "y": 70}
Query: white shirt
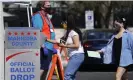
{"x": 72, "y": 51}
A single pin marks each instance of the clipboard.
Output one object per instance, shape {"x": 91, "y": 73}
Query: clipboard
{"x": 93, "y": 54}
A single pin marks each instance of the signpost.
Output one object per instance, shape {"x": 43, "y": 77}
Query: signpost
{"x": 22, "y": 54}
{"x": 89, "y": 19}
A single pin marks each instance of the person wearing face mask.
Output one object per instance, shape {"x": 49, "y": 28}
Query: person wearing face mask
{"x": 74, "y": 44}
{"x": 119, "y": 49}
{"x": 41, "y": 20}
{"x": 72, "y": 40}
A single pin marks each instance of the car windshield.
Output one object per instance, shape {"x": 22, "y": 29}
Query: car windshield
{"x": 99, "y": 35}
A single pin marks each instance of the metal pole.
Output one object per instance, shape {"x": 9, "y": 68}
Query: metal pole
{"x": 28, "y": 16}
{"x": 31, "y": 10}
{"x": 1, "y": 42}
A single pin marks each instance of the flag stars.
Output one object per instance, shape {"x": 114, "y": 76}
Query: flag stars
{"x": 9, "y": 33}
{"x": 28, "y": 33}
{"x": 34, "y": 33}
{"x": 15, "y": 33}
{"x": 37, "y": 54}
{"x": 22, "y": 33}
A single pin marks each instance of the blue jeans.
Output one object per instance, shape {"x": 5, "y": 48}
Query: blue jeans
{"x": 74, "y": 63}
{"x": 45, "y": 58}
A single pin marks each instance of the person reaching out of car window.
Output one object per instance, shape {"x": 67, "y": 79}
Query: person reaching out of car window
{"x": 119, "y": 49}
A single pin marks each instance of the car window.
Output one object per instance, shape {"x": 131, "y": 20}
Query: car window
{"x": 109, "y": 35}
{"x": 99, "y": 35}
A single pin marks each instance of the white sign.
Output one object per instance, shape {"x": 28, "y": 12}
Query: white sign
{"x": 22, "y": 54}
{"x": 22, "y": 38}
{"x": 22, "y": 64}
{"x": 89, "y": 19}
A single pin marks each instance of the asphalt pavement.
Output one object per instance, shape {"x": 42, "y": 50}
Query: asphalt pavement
{"x": 99, "y": 76}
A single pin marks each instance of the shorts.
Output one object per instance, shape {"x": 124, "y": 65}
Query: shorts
{"x": 128, "y": 68}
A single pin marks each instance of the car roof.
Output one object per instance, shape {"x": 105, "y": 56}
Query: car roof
{"x": 99, "y": 30}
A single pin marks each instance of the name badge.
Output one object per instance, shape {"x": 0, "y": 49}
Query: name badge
{"x": 51, "y": 30}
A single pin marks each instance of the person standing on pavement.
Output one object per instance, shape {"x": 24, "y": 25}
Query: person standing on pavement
{"x": 119, "y": 49}
{"x": 41, "y": 21}
{"x": 74, "y": 42}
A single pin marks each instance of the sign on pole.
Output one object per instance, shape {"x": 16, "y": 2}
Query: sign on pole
{"x": 22, "y": 54}
{"x": 89, "y": 19}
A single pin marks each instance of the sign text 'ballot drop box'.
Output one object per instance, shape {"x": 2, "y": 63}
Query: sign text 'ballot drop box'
{"x": 22, "y": 54}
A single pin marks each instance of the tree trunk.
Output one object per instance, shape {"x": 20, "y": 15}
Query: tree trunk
{"x": 111, "y": 20}
{"x": 105, "y": 11}
{"x": 108, "y": 16}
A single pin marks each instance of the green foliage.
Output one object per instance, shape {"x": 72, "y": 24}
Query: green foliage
{"x": 104, "y": 10}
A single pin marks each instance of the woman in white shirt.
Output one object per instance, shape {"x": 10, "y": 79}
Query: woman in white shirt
{"x": 73, "y": 38}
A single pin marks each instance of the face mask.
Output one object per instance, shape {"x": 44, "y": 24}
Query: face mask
{"x": 117, "y": 26}
{"x": 50, "y": 16}
{"x": 48, "y": 10}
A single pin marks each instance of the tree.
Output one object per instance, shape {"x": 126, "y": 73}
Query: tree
{"x": 104, "y": 10}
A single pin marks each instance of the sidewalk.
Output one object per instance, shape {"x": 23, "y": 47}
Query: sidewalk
{"x": 99, "y": 76}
